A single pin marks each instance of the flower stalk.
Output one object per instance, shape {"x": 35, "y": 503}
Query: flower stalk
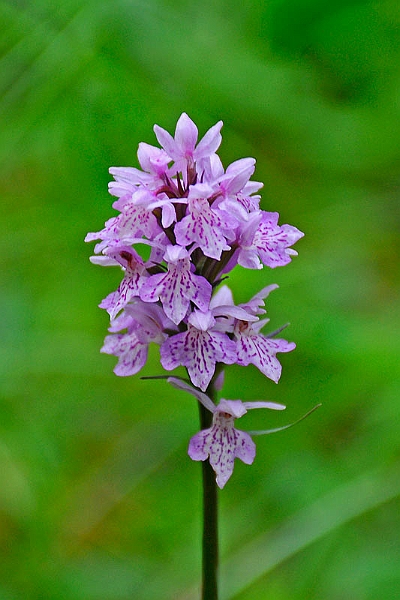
{"x": 210, "y": 544}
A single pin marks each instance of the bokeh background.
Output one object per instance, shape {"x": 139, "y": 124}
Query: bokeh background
{"x": 98, "y": 498}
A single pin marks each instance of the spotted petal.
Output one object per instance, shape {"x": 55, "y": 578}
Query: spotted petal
{"x": 131, "y": 352}
{"x": 177, "y": 288}
{"x": 198, "y": 351}
{"x": 261, "y": 352}
{"x": 222, "y": 443}
{"x": 207, "y": 228}
{"x": 273, "y": 241}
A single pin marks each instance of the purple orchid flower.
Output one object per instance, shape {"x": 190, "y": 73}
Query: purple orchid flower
{"x": 178, "y": 287}
{"x": 145, "y": 323}
{"x": 200, "y": 221}
{"x": 183, "y": 149}
{"x": 222, "y": 442}
{"x": 262, "y": 239}
{"x": 199, "y": 349}
{"x": 210, "y": 229}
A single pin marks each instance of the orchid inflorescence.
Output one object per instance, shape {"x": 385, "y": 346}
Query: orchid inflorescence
{"x": 199, "y": 221}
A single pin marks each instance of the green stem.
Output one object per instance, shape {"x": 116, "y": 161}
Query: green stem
{"x": 210, "y": 517}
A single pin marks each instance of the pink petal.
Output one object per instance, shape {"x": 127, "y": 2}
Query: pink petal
{"x": 236, "y": 408}
{"x": 198, "y": 351}
{"x": 273, "y": 242}
{"x": 260, "y": 351}
{"x": 186, "y": 134}
{"x": 197, "y": 445}
{"x": 210, "y": 142}
{"x": 206, "y": 227}
{"x": 153, "y": 159}
{"x": 166, "y": 140}
{"x": 245, "y": 447}
{"x": 131, "y": 352}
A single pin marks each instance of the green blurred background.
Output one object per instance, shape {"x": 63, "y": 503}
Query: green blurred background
{"x": 98, "y": 498}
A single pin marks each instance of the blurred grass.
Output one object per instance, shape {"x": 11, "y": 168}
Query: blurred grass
{"x": 98, "y": 499}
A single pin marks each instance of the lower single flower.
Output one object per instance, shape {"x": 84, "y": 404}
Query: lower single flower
{"x": 222, "y": 442}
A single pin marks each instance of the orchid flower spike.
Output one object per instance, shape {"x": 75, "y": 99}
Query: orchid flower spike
{"x": 200, "y": 221}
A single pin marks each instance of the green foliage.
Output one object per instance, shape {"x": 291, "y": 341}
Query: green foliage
{"x": 98, "y": 499}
